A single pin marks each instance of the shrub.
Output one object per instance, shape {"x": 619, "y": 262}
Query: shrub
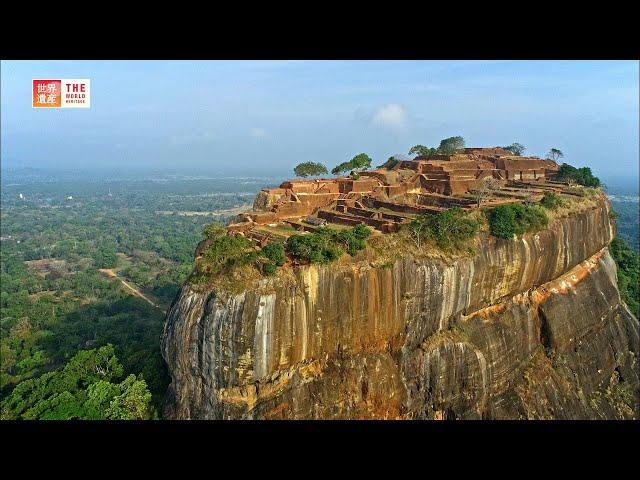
{"x": 326, "y": 244}
{"x": 505, "y": 221}
{"x": 351, "y": 243}
{"x": 551, "y": 201}
{"x": 276, "y": 257}
{"x": 452, "y": 227}
{"x": 361, "y": 231}
{"x": 386, "y": 265}
{"x": 530, "y": 218}
{"x": 275, "y": 253}
{"x": 502, "y": 222}
{"x": 215, "y": 229}
{"x": 313, "y": 247}
{"x": 227, "y": 251}
{"x": 449, "y": 228}
{"x": 269, "y": 268}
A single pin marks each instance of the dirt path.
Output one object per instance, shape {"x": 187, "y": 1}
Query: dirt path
{"x": 136, "y": 291}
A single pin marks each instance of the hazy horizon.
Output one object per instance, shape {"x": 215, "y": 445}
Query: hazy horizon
{"x": 239, "y": 117}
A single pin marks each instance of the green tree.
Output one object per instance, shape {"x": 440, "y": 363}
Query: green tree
{"x": 451, "y": 145}
{"x": 389, "y": 164}
{"x": 133, "y": 401}
{"x": 309, "y": 169}
{"x": 105, "y": 256}
{"x": 360, "y": 162}
{"x": 86, "y": 388}
{"x": 554, "y": 154}
{"x": 422, "y": 151}
{"x": 516, "y": 148}
{"x": 502, "y": 222}
{"x": 275, "y": 257}
{"x": 353, "y": 240}
{"x": 342, "y": 168}
{"x": 581, "y": 176}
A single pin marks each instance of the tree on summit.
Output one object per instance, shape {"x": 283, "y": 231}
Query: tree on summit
{"x": 422, "y": 151}
{"x": 360, "y": 162}
{"x": 554, "y": 154}
{"x": 516, "y": 148}
{"x": 309, "y": 169}
{"x": 451, "y": 145}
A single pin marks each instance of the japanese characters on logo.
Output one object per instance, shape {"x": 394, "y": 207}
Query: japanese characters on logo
{"x": 61, "y": 93}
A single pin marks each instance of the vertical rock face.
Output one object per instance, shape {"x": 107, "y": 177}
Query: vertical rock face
{"x": 528, "y": 328}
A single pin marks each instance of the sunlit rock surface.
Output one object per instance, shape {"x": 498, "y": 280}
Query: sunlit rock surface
{"x": 528, "y": 328}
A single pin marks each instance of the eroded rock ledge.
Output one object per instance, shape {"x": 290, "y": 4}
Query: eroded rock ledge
{"x": 529, "y": 328}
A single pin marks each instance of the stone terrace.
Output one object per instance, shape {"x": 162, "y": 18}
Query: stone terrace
{"x": 385, "y": 198}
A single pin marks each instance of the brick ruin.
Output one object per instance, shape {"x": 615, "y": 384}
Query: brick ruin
{"x": 389, "y": 196}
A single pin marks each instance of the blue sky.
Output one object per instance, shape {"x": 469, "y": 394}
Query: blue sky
{"x": 221, "y": 116}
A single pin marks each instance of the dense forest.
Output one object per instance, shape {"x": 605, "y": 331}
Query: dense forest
{"x": 77, "y": 342}
{"x": 56, "y": 300}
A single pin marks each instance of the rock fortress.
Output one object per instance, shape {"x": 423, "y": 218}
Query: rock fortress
{"x": 525, "y": 326}
{"x": 396, "y": 192}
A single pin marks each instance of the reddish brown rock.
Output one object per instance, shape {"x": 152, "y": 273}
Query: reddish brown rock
{"x": 528, "y": 328}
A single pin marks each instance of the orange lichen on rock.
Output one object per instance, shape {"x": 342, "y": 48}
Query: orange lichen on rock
{"x": 486, "y": 313}
{"x": 569, "y": 280}
{"x": 532, "y": 298}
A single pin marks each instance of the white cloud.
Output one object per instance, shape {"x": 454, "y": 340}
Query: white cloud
{"x": 391, "y": 116}
{"x": 256, "y": 132}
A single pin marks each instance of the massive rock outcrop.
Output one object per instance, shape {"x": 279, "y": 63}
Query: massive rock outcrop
{"x": 532, "y": 327}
